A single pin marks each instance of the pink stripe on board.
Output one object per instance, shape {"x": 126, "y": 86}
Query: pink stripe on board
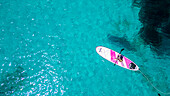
{"x": 112, "y": 53}
{"x": 127, "y": 62}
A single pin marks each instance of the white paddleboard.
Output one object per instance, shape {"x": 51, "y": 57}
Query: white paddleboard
{"x": 111, "y": 56}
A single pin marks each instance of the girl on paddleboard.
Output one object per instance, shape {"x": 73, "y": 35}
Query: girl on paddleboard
{"x": 120, "y": 57}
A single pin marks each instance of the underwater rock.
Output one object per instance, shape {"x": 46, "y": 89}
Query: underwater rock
{"x": 11, "y": 82}
{"x": 150, "y": 36}
{"x": 154, "y": 16}
{"x": 154, "y": 12}
{"x": 121, "y": 41}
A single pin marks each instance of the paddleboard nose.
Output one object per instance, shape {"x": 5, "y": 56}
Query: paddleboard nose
{"x": 99, "y": 49}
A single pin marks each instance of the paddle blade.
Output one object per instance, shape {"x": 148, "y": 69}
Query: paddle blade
{"x": 122, "y": 49}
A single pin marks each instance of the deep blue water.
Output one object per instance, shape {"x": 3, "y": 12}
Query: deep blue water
{"x": 47, "y": 47}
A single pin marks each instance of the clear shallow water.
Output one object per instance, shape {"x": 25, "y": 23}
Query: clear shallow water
{"x": 48, "y": 48}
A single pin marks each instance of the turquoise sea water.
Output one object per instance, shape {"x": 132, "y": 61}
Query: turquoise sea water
{"x": 47, "y": 47}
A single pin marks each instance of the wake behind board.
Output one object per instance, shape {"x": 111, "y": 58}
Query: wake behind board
{"x": 111, "y": 56}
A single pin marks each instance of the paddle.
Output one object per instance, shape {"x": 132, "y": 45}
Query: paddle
{"x": 119, "y": 53}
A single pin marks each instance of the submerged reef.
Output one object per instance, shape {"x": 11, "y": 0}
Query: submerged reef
{"x": 11, "y": 82}
{"x": 121, "y": 41}
{"x": 154, "y": 16}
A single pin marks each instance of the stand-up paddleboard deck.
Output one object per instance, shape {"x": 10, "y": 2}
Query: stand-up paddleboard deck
{"x": 111, "y": 56}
